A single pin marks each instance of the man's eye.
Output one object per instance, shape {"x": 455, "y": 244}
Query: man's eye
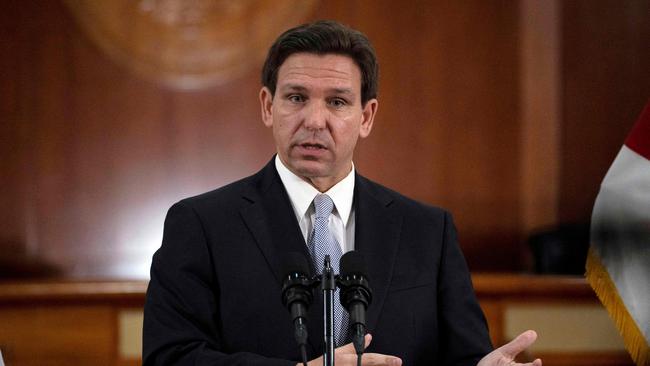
{"x": 337, "y": 102}
{"x": 295, "y": 98}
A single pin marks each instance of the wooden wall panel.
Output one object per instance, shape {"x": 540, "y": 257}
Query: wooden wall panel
{"x": 606, "y": 83}
{"x": 539, "y": 112}
{"x": 58, "y": 335}
{"x": 97, "y": 155}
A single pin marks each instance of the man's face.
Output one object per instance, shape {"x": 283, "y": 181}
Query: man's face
{"x": 316, "y": 116}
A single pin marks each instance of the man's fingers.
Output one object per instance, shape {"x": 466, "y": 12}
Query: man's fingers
{"x": 367, "y": 339}
{"x": 537, "y": 362}
{"x": 523, "y": 341}
{"x": 376, "y": 359}
{"x": 505, "y": 354}
{"x": 369, "y": 359}
{"x": 349, "y": 348}
{"x": 346, "y": 355}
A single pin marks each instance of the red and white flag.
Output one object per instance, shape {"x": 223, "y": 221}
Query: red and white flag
{"x": 618, "y": 265}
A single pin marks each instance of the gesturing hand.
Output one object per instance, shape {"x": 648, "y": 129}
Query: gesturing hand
{"x": 505, "y": 355}
{"x": 346, "y": 356}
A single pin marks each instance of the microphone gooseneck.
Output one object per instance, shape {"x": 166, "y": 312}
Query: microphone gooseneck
{"x": 297, "y": 296}
{"x": 356, "y": 295}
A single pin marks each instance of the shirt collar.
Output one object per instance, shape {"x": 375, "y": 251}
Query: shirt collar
{"x": 301, "y": 193}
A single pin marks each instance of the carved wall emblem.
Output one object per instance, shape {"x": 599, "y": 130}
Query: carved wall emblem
{"x": 188, "y": 44}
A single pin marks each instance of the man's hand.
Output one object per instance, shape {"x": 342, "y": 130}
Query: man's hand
{"x": 505, "y": 355}
{"x": 346, "y": 356}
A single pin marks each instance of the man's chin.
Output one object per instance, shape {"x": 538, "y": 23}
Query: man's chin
{"x": 307, "y": 168}
{"x": 310, "y": 170}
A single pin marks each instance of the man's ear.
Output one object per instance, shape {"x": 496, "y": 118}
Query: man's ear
{"x": 368, "y": 117}
{"x": 266, "y": 102}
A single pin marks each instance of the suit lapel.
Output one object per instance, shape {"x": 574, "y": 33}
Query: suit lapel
{"x": 272, "y": 222}
{"x": 378, "y": 228}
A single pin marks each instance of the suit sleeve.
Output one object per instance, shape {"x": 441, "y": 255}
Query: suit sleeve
{"x": 181, "y": 313}
{"x": 464, "y": 337}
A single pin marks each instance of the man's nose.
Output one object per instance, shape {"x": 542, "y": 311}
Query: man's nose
{"x": 316, "y": 116}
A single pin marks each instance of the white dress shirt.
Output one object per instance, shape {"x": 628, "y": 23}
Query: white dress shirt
{"x": 301, "y": 195}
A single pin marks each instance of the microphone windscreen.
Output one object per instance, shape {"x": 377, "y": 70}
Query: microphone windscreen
{"x": 352, "y": 263}
{"x": 294, "y": 262}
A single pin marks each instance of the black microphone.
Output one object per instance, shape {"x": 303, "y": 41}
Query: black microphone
{"x": 355, "y": 295}
{"x": 297, "y": 295}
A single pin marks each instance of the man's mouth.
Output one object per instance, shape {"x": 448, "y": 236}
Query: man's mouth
{"x": 310, "y": 146}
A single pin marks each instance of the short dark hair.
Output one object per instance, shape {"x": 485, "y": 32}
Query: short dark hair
{"x": 323, "y": 37}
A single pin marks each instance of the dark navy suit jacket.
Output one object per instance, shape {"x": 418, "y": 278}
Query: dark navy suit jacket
{"x": 215, "y": 292}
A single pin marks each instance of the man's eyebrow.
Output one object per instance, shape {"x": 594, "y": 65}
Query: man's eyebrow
{"x": 302, "y": 89}
{"x": 293, "y": 87}
{"x": 343, "y": 91}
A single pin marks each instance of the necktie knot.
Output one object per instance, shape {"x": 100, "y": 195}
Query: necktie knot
{"x": 323, "y": 205}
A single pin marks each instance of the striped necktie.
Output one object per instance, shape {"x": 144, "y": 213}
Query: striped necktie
{"x": 323, "y": 243}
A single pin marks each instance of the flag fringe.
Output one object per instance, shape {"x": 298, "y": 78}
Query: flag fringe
{"x": 599, "y": 279}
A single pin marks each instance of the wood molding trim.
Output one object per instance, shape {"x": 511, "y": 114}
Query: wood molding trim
{"x": 73, "y": 291}
{"x": 485, "y": 285}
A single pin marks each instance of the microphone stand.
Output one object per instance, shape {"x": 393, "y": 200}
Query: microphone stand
{"x": 328, "y": 285}
{"x": 355, "y": 297}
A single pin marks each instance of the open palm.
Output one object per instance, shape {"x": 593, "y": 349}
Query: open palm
{"x": 505, "y": 355}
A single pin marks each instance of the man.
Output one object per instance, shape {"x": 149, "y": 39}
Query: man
{"x": 214, "y": 295}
